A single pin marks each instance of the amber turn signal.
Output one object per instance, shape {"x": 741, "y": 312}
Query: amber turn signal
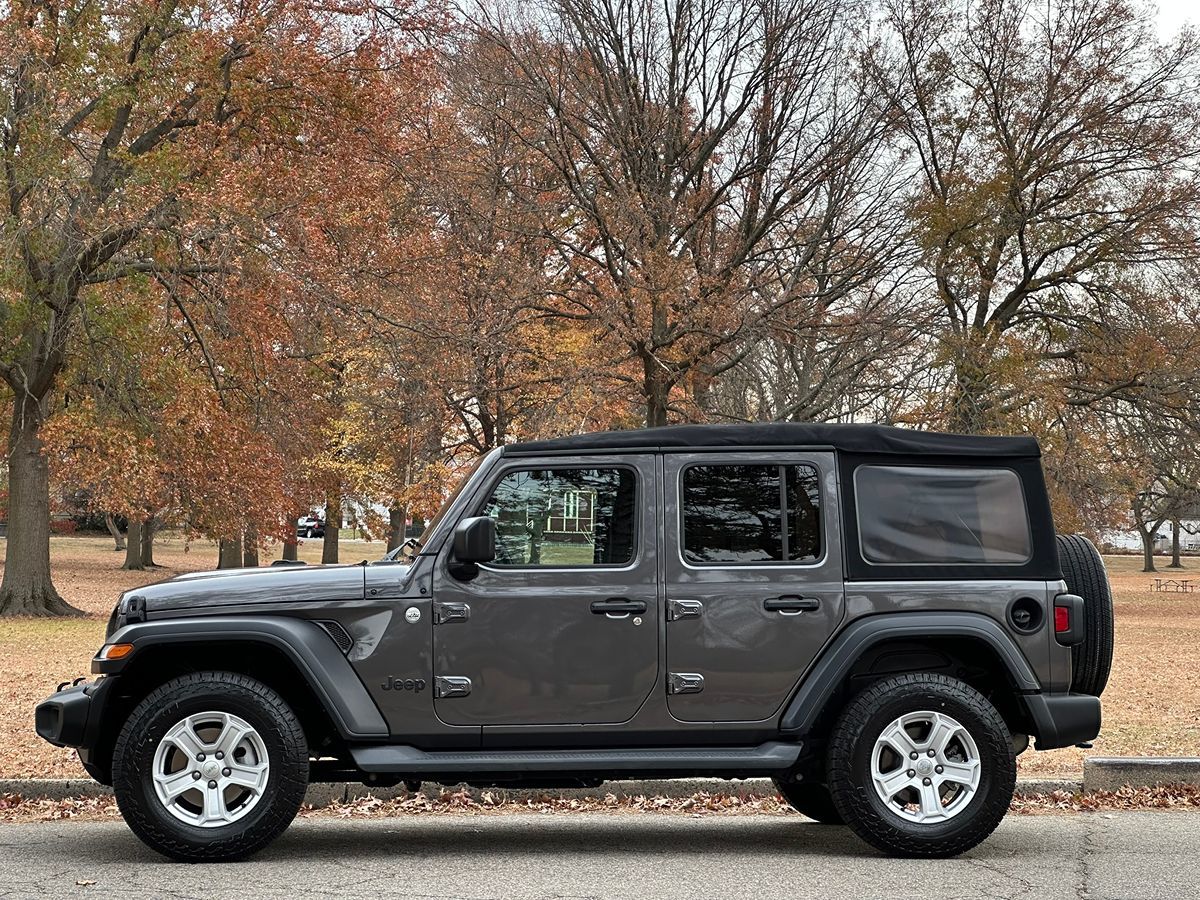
{"x": 115, "y": 651}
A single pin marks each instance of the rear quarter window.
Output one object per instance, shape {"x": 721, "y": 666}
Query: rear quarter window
{"x": 928, "y": 515}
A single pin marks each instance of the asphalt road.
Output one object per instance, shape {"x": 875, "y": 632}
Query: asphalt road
{"x": 1122, "y": 855}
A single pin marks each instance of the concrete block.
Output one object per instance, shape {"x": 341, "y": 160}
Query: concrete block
{"x": 53, "y": 788}
{"x": 1108, "y": 773}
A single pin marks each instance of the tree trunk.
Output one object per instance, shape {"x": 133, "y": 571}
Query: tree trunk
{"x": 1148, "y": 550}
{"x": 229, "y": 555}
{"x": 397, "y": 522}
{"x": 333, "y": 524}
{"x": 656, "y": 390}
{"x": 290, "y": 547}
{"x": 27, "y": 588}
{"x": 149, "y": 527}
{"x": 118, "y": 538}
{"x": 250, "y": 548}
{"x": 133, "y": 548}
{"x": 1176, "y": 562}
{"x": 972, "y": 409}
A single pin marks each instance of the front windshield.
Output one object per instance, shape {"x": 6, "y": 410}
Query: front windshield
{"x": 412, "y": 547}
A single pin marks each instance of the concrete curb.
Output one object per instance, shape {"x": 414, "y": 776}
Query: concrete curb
{"x": 1108, "y": 773}
{"x": 1099, "y": 774}
{"x": 341, "y": 792}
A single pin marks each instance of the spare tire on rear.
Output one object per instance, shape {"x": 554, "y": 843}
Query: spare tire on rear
{"x": 1083, "y": 571}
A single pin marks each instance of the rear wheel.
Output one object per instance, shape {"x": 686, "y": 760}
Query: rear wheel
{"x": 209, "y": 767}
{"x": 921, "y": 765}
{"x": 811, "y": 799}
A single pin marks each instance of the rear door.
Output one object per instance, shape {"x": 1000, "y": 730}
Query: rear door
{"x": 562, "y": 628}
{"x": 753, "y": 578}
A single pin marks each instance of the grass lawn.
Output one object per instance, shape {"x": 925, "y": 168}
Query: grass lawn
{"x": 1151, "y": 706}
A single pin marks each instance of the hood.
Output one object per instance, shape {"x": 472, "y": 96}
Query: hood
{"x": 262, "y": 586}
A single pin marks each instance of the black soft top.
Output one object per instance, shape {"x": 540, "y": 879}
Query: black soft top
{"x": 855, "y": 438}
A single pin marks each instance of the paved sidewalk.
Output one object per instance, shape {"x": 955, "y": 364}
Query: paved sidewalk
{"x": 1086, "y": 855}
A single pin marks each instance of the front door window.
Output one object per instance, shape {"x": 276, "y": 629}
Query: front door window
{"x": 564, "y": 517}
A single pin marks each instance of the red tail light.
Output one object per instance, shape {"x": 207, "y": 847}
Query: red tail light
{"x": 1062, "y": 619}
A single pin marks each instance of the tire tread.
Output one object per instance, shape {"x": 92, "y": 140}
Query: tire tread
{"x": 1085, "y": 575}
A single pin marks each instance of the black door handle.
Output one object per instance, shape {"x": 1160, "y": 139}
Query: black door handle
{"x": 791, "y": 603}
{"x": 618, "y": 605}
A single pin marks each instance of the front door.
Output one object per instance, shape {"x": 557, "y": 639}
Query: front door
{"x": 753, "y": 586}
{"x": 562, "y": 628}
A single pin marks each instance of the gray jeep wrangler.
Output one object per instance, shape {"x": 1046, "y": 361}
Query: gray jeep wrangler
{"x": 878, "y": 619}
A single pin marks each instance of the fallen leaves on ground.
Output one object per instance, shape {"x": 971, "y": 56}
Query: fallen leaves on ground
{"x": 15, "y": 808}
{"x": 1167, "y": 796}
{"x": 460, "y": 801}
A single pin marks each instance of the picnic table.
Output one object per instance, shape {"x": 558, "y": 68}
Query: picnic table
{"x": 1175, "y": 585}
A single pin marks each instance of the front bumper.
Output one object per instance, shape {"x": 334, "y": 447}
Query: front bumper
{"x": 1063, "y": 720}
{"x": 71, "y": 717}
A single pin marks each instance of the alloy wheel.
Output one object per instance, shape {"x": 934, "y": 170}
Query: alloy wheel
{"x": 210, "y": 769}
{"x": 925, "y": 767}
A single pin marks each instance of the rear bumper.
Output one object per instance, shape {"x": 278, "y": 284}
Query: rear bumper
{"x": 1063, "y": 720}
{"x": 71, "y": 717}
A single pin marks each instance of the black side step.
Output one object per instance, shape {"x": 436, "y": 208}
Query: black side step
{"x": 772, "y": 756}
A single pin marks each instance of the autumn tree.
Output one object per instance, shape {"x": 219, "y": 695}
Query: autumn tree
{"x": 1055, "y": 148}
{"x": 116, "y": 120}
{"x": 114, "y": 384}
{"x": 503, "y": 364}
{"x": 696, "y": 143}
{"x": 861, "y": 357}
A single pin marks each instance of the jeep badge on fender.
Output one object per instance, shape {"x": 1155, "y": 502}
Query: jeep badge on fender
{"x": 403, "y": 684}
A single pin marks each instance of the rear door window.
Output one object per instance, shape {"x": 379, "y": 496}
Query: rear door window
{"x": 927, "y": 515}
{"x": 739, "y": 514}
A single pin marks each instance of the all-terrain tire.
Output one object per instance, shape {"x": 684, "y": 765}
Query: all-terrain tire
{"x": 1083, "y": 571}
{"x": 133, "y": 765}
{"x": 811, "y": 799}
{"x": 852, "y": 744}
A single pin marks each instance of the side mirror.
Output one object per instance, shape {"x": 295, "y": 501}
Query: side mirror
{"x": 475, "y": 540}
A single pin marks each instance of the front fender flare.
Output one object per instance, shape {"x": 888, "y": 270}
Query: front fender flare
{"x": 835, "y": 663}
{"x": 326, "y": 671}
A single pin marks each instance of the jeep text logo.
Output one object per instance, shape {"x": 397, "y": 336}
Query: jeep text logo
{"x": 403, "y": 684}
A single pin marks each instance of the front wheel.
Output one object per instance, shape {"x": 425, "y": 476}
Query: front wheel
{"x": 210, "y": 767}
{"x": 921, "y": 765}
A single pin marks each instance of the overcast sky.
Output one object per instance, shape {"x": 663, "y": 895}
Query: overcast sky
{"x": 1173, "y": 13}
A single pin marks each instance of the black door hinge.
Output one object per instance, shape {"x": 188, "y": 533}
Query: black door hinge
{"x": 447, "y": 686}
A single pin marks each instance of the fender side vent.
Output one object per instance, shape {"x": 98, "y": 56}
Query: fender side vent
{"x": 339, "y": 634}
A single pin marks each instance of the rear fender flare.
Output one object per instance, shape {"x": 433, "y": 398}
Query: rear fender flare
{"x": 835, "y": 663}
